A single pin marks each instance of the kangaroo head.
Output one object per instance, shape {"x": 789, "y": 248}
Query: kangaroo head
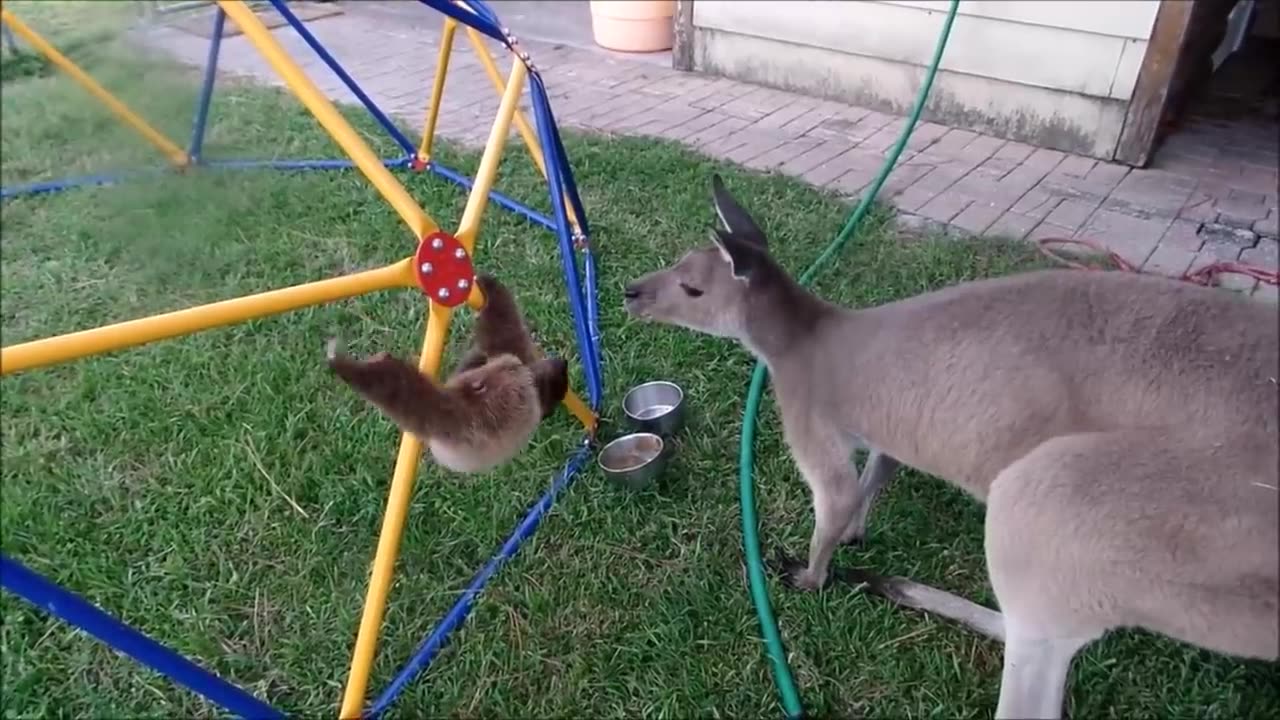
{"x": 710, "y": 288}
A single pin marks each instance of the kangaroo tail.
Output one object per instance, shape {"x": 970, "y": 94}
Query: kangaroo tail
{"x": 908, "y": 593}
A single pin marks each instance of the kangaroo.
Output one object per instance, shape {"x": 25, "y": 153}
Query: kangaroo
{"x": 1121, "y": 430}
{"x": 488, "y": 409}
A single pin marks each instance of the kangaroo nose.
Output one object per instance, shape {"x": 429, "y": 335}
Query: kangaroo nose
{"x": 630, "y": 293}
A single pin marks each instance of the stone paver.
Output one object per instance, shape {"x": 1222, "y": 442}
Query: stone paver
{"x": 1184, "y": 235}
{"x": 1170, "y": 260}
{"x": 1266, "y": 254}
{"x": 1209, "y": 196}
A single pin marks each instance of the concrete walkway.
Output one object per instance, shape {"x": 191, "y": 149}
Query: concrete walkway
{"x": 1211, "y": 201}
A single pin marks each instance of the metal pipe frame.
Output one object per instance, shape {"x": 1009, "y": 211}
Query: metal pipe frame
{"x": 341, "y": 72}
{"x": 543, "y": 144}
{"x": 206, "y": 87}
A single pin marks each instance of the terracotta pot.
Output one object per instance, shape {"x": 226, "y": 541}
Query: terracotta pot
{"x": 633, "y": 25}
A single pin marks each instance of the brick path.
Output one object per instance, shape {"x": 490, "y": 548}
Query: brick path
{"x": 1207, "y": 199}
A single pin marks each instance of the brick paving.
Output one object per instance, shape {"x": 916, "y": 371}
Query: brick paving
{"x": 1211, "y": 194}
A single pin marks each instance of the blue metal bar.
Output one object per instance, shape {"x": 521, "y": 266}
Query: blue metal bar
{"x": 568, "y": 252}
{"x": 555, "y": 165}
{"x": 513, "y": 205}
{"x": 59, "y": 602}
{"x": 593, "y": 316}
{"x": 206, "y": 88}
{"x": 483, "y": 10}
{"x": 483, "y": 20}
{"x": 565, "y": 170}
{"x": 10, "y": 40}
{"x": 298, "y": 164}
{"x": 439, "y": 635}
{"x": 444, "y": 172}
{"x": 49, "y": 186}
{"x": 591, "y": 300}
{"x": 347, "y": 80}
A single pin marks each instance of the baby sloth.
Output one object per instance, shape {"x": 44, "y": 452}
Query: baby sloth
{"x": 488, "y": 409}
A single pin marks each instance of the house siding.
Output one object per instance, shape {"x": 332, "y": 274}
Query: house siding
{"x": 1056, "y": 73}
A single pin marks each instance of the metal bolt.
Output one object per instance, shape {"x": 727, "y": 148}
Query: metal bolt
{"x": 443, "y": 293}
{"x": 459, "y": 253}
{"x": 427, "y": 268}
{"x": 463, "y": 284}
{"x": 437, "y": 244}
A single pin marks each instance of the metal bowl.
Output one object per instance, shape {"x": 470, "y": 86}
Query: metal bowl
{"x": 655, "y": 407}
{"x": 634, "y": 461}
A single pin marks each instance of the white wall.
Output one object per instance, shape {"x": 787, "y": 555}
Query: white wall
{"x": 1068, "y": 66}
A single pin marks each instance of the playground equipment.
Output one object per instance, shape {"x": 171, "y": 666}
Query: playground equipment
{"x": 451, "y": 254}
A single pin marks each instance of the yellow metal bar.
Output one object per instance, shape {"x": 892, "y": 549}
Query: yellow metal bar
{"x": 469, "y": 226}
{"x": 580, "y": 410}
{"x": 478, "y": 200}
{"x": 61, "y": 348}
{"x": 437, "y": 88}
{"x": 329, "y": 117}
{"x": 392, "y": 529}
{"x": 527, "y": 133}
{"x": 176, "y": 155}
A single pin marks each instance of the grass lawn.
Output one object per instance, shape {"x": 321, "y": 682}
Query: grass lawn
{"x": 223, "y": 492}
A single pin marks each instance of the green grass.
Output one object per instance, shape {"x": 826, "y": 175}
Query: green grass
{"x": 75, "y": 27}
{"x": 160, "y": 482}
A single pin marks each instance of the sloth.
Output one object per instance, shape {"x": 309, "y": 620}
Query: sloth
{"x": 489, "y": 407}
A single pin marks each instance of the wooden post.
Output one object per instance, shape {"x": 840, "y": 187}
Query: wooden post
{"x": 1155, "y": 77}
{"x": 682, "y": 47}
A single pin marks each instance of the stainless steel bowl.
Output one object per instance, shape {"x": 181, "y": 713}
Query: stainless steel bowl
{"x": 634, "y": 461}
{"x": 656, "y": 407}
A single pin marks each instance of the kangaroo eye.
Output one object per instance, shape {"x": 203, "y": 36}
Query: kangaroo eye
{"x": 690, "y": 290}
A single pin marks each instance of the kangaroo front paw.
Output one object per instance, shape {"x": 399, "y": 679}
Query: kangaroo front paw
{"x": 795, "y": 574}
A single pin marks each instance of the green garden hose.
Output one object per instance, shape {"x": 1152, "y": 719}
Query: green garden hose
{"x": 750, "y": 536}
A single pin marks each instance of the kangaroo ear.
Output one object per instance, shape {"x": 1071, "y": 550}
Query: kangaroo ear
{"x": 735, "y": 219}
{"x": 743, "y": 257}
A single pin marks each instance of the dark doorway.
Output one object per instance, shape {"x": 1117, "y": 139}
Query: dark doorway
{"x": 1223, "y": 109}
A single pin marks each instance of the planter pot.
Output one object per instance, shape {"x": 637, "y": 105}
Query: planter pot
{"x": 633, "y": 25}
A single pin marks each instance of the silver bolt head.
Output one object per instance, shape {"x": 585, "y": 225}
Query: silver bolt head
{"x": 463, "y": 284}
{"x": 443, "y": 293}
{"x": 427, "y": 268}
{"x": 437, "y": 244}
